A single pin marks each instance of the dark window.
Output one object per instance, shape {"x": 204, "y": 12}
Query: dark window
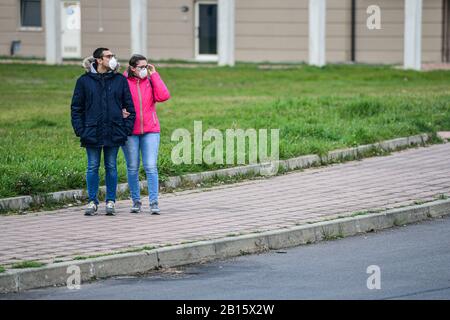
{"x": 208, "y": 29}
{"x": 30, "y": 13}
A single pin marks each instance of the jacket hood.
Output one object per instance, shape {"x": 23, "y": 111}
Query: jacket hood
{"x": 88, "y": 65}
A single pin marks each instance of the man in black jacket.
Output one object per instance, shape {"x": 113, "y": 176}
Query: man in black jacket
{"x": 97, "y": 118}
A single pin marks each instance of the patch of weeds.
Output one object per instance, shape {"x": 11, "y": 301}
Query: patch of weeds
{"x": 373, "y": 151}
{"x": 433, "y": 138}
{"x": 398, "y": 222}
{"x": 80, "y": 258}
{"x": 2, "y": 269}
{"x": 27, "y": 264}
{"x": 232, "y": 235}
{"x": 376, "y": 210}
{"x": 327, "y": 235}
{"x": 442, "y": 196}
{"x": 188, "y": 242}
{"x": 8, "y": 212}
{"x": 244, "y": 253}
{"x": 359, "y": 213}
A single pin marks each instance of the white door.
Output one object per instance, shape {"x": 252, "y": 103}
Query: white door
{"x": 206, "y": 30}
{"x": 71, "y": 29}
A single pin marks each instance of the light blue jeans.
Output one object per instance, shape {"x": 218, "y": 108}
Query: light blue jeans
{"x": 147, "y": 145}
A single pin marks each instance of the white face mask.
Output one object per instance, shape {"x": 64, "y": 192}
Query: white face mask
{"x": 143, "y": 73}
{"x": 112, "y": 63}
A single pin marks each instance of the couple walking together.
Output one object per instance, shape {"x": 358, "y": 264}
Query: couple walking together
{"x": 110, "y": 110}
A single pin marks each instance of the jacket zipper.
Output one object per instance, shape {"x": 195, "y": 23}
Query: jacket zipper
{"x": 140, "y": 107}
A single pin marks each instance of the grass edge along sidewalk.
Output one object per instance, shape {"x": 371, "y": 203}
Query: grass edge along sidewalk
{"x": 57, "y": 274}
{"x": 59, "y": 199}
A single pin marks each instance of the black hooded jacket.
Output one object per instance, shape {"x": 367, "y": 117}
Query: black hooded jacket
{"x": 96, "y": 108}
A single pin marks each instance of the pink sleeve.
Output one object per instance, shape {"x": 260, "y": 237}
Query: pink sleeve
{"x": 160, "y": 91}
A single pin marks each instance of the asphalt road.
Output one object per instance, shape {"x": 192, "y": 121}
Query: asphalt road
{"x": 414, "y": 263}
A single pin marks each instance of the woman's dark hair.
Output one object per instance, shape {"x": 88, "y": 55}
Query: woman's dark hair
{"x": 135, "y": 58}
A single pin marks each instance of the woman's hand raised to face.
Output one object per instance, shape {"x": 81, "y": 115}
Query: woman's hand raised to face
{"x": 151, "y": 68}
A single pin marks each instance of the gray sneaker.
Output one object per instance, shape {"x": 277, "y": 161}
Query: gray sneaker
{"x": 154, "y": 209}
{"x": 91, "y": 209}
{"x": 110, "y": 208}
{"x": 136, "y": 208}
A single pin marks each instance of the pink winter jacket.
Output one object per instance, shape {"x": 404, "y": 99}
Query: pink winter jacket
{"x": 146, "y": 92}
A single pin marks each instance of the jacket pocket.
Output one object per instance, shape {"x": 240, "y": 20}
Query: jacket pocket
{"x": 89, "y": 134}
{"x": 119, "y": 132}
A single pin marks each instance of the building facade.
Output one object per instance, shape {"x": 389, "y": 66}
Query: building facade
{"x": 263, "y": 30}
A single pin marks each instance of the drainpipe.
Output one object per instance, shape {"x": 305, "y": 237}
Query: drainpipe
{"x": 353, "y": 32}
{"x": 445, "y": 28}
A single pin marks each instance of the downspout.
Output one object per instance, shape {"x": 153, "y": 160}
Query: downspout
{"x": 445, "y": 28}
{"x": 353, "y": 32}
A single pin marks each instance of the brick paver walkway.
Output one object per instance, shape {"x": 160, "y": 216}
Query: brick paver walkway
{"x": 295, "y": 198}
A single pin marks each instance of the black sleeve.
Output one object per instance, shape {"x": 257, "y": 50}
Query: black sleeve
{"x": 78, "y": 108}
{"x": 127, "y": 103}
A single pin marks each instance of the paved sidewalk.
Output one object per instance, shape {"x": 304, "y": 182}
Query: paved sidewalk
{"x": 295, "y": 198}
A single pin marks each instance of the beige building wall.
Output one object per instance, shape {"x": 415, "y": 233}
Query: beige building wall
{"x": 338, "y": 31}
{"x": 32, "y": 42}
{"x": 268, "y": 30}
{"x": 170, "y": 33}
{"x": 432, "y": 22}
{"x": 106, "y": 23}
{"x": 386, "y": 45}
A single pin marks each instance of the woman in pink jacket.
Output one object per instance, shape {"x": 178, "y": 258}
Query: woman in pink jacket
{"x": 146, "y": 88}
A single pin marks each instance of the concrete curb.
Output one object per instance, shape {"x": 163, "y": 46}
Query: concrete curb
{"x": 24, "y": 202}
{"x": 202, "y": 251}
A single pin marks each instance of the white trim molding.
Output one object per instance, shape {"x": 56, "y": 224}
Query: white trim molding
{"x": 53, "y": 45}
{"x": 317, "y": 24}
{"x": 225, "y": 31}
{"x": 412, "y": 55}
{"x": 139, "y": 25}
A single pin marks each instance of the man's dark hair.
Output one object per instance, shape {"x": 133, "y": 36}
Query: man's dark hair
{"x": 98, "y": 53}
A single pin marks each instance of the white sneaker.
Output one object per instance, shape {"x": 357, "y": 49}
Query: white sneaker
{"x": 91, "y": 209}
{"x": 110, "y": 208}
{"x": 137, "y": 206}
{"x": 154, "y": 209}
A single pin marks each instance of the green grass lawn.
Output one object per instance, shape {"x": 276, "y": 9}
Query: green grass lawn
{"x": 316, "y": 110}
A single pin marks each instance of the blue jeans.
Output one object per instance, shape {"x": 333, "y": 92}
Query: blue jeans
{"x": 148, "y": 145}
{"x": 94, "y": 157}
